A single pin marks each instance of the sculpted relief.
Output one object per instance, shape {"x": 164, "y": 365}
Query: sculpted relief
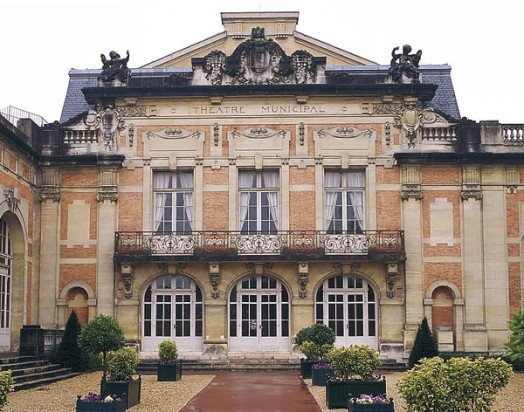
{"x": 259, "y": 61}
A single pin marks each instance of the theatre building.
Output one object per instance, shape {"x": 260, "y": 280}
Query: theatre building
{"x": 233, "y": 192}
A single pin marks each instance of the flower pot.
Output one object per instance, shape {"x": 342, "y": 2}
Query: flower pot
{"x": 305, "y": 368}
{"x": 337, "y": 393}
{"x": 130, "y": 390}
{"x": 371, "y": 407}
{"x": 320, "y": 375}
{"x": 169, "y": 372}
{"x": 90, "y": 406}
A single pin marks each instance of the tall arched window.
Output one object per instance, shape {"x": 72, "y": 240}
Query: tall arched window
{"x": 6, "y": 268}
{"x": 259, "y": 315}
{"x": 173, "y": 309}
{"x": 347, "y": 304}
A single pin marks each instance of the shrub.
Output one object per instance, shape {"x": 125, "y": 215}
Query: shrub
{"x": 69, "y": 354}
{"x": 167, "y": 351}
{"x": 102, "y": 334}
{"x": 515, "y": 345}
{"x": 424, "y": 345}
{"x": 6, "y": 386}
{"x": 460, "y": 384}
{"x": 121, "y": 364}
{"x": 317, "y": 333}
{"x": 354, "y": 362}
{"x": 314, "y": 351}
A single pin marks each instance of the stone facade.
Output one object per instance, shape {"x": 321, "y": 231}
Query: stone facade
{"x": 437, "y": 231}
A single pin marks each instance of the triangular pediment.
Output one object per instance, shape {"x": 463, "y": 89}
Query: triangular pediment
{"x": 279, "y": 27}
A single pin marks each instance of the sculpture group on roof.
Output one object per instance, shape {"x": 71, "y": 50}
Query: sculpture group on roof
{"x": 114, "y": 68}
{"x": 405, "y": 64}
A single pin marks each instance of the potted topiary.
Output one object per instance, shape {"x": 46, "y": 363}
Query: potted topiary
{"x": 169, "y": 367}
{"x": 122, "y": 379}
{"x": 6, "y": 386}
{"x": 318, "y": 334}
{"x": 459, "y": 384}
{"x": 93, "y": 402}
{"x": 368, "y": 403}
{"x": 317, "y": 353}
{"x": 355, "y": 374}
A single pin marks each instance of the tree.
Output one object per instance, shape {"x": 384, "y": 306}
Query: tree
{"x": 424, "y": 345}
{"x": 102, "y": 334}
{"x": 69, "y": 354}
{"x": 516, "y": 341}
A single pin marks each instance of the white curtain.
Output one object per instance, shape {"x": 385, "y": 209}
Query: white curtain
{"x": 356, "y": 181}
{"x": 333, "y": 180}
{"x": 245, "y": 181}
{"x": 270, "y": 180}
{"x": 186, "y": 182}
{"x": 161, "y": 181}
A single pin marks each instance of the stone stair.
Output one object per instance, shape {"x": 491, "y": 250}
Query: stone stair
{"x": 31, "y": 371}
{"x": 391, "y": 365}
{"x": 149, "y": 366}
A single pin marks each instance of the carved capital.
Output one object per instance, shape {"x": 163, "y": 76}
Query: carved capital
{"x": 411, "y": 191}
{"x": 107, "y": 195}
{"x": 49, "y": 193}
{"x": 471, "y": 191}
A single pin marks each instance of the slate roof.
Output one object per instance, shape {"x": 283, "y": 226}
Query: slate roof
{"x": 444, "y": 99}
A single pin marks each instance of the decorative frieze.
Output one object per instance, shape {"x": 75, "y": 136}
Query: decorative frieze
{"x": 344, "y": 132}
{"x": 132, "y": 111}
{"x": 258, "y": 133}
{"x": 173, "y": 133}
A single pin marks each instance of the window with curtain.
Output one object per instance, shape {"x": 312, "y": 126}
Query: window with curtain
{"x": 173, "y": 199}
{"x": 344, "y": 201}
{"x": 259, "y": 201}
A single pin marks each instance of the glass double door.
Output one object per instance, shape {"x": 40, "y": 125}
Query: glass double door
{"x": 259, "y": 319}
{"x": 349, "y": 316}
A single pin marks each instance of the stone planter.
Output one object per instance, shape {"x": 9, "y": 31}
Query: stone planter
{"x": 337, "y": 393}
{"x": 130, "y": 390}
{"x": 371, "y": 407}
{"x": 305, "y": 368}
{"x": 169, "y": 372}
{"x": 320, "y": 375}
{"x": 88, "y": 406}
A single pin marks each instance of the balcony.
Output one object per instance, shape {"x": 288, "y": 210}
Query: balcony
{"x": 283, "y": 245}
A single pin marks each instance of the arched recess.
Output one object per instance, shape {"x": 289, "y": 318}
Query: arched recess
{"x": 348, "y": 304}
{"x": 444, "y": 309}
{"x": 259, "y": 314}
{"x": 76, "y": 295}
{"x": 14, "y": 269}
{"x": 171, "y": 308}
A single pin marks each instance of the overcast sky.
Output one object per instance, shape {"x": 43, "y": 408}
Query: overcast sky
{"x": 482, "y": 41}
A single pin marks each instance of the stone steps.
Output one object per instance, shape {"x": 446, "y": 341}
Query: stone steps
{"x": 150, "y": 366}
{"x": 31, "y": 371}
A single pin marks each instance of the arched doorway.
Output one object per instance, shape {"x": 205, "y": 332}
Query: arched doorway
{"x": 259, "y": 312}
{"x": 6, "y": 270}
{"x": 172, "y": 309}
{"x": 348, "y": 305}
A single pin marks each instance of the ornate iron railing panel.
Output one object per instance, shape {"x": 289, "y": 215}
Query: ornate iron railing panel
{"x": 279, "y": 243}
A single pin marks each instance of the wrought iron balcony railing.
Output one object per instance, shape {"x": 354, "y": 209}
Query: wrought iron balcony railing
{"x": 238, "y": 243}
